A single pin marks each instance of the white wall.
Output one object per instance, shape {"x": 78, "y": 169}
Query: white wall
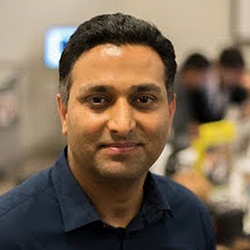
{"x": 22, "y": 26}
{"x": 191, "y": 25}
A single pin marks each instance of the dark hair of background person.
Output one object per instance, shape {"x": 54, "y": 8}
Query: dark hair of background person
{"x": 118, "y": 29}
{"x": 195, "y": 61}
{"x": 232, "y": 58}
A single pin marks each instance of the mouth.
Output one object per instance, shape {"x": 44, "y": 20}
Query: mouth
{"x": 121, "y": 148}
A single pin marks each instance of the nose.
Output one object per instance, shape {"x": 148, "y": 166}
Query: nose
{"x": 121, "y": 120}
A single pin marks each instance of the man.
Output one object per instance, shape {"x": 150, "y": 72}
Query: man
{"x": 194, "y": 107}
{"x": 229, "y": 81}
{"x": 116, "y": 105}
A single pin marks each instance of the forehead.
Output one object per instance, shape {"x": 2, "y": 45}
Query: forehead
{"x": 109, "y": 63}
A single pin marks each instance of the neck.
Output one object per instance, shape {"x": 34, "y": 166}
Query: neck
{"x": 117, "y": 206}
{"x": 116, "y": 201}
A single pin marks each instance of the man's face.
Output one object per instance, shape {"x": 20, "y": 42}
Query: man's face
{"x": 231, "y": 76}
{"x": 195, "y": 79}
{"x": 118, "y": 117}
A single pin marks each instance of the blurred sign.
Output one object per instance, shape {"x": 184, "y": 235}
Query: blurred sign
{"x": 55, "y": 39}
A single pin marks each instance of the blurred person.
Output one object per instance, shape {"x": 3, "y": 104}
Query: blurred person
{"x": 246, "y": 81}
{"x": 229, "y": 80}
{"x": 192, "y": 106}
{"x": 232, "y": 97}
{"x": 116, "y": 105}
{"x": 231, "y": 71}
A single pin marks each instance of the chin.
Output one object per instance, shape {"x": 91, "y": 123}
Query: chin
{"x": 120, "y": 172}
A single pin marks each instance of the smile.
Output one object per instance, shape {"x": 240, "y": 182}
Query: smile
{"x": 120, "y": 148}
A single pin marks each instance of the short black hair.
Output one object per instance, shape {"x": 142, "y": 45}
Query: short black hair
{"x": 196, "y": 61}
{"x": 119, "y": 29}
{"x": 232, "y": 57}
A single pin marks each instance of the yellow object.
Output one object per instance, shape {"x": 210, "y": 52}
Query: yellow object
{"x": 211, "y": 135}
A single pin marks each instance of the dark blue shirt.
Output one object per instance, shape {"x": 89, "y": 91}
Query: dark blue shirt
{"x": 51, "y": 211}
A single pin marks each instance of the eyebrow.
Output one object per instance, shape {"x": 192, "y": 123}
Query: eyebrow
{"x": 104, "y": 88}
{"x": 146, "y": 87}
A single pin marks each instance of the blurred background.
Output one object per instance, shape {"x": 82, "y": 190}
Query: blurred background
{"x": 209, "y": 148}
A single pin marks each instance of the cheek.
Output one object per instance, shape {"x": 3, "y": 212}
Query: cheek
{"x": 157, "y": 127}
{"x": 85, "y": 124}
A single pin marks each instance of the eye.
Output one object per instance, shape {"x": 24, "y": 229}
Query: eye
{"x": 144, "y": 101}
{"x": 98, "y": 101}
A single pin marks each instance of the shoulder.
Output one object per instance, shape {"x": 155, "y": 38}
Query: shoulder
{"x": 180, "y": 197}
{"x": 186, "y": 207}
{"x": 173, "y": 191}
{"x": 21, "y": 194}
{"x": 24, "y": 207}
{"x": 17, "y": 205}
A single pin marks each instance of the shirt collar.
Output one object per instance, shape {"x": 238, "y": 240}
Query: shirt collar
{"x": 77, "y": 209}
{"x": 154, "y": 201}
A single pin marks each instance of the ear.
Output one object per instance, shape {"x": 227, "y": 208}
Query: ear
{"x": 172, "y": 106}
{"x": 63, "y": 112}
